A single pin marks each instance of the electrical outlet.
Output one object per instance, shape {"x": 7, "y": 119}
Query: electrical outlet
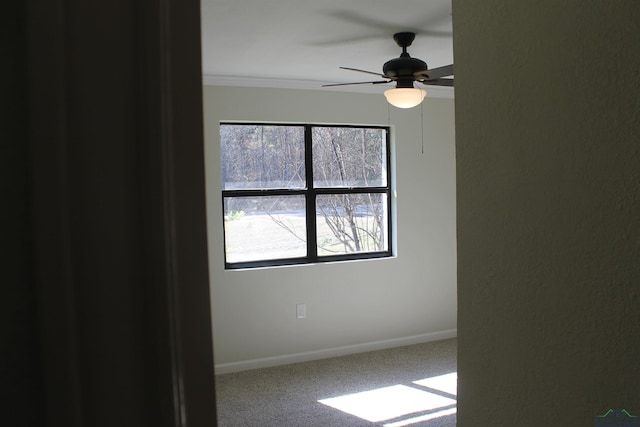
{"x": 301, "y": 311}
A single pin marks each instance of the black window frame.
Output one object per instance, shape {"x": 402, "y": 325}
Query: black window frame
{"x": 310, "y": 194}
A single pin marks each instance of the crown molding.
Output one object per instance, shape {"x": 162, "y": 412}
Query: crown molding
{"x": 212, "y": 80}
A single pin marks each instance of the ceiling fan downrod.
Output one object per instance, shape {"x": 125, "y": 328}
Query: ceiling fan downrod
{"x": 404, "y": 40}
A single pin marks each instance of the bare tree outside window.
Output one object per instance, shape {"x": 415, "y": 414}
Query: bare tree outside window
{"x": 304, "y": 193}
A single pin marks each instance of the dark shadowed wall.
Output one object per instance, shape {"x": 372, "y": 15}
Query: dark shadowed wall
{"x": 20, "y": 373}
{"x": 548, "y": 190}
{"x": 105, "y": 296}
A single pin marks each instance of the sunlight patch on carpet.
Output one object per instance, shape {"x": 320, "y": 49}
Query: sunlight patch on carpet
{"x": 388, "y": 402}
{"x": 447, "y": 383}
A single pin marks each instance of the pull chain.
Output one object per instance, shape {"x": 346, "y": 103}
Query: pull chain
{"x": 422, "y": 123}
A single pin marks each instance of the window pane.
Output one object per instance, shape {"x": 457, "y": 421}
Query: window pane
{"x": 349, "y": 157}
{"x": 262, "y": 157}
{"x": 263, "y": 228}
{"x": 351, "y": 223}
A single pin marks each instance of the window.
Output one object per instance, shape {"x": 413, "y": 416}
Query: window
{"x": 295, "y": 194}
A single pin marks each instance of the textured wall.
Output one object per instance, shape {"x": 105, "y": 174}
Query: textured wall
{"x": 548, "y": 189}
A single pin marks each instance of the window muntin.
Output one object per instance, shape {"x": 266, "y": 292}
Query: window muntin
{"x": 276, "y": 176}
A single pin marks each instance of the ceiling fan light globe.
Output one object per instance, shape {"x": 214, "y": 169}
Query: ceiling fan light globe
{"x": 405, "y": 97}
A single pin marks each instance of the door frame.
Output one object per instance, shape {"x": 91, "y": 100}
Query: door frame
{"x": 116, "y": 138}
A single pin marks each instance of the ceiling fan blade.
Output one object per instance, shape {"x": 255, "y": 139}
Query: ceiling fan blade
{"x": 369, "y": 37}
{"x": 381, "y": 27}
{"x": 434, "y": 73}
{"x": 368, "y": 72}
{"x": 358, "y": 83}
{"x": 439, "y": 82}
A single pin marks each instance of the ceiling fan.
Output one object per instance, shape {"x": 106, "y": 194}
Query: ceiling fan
{"x": 405, "y": 70}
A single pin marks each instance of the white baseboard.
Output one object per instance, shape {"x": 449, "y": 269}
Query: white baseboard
{"x": 285, "y": 359}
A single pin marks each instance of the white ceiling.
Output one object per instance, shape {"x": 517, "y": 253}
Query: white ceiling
{"x": 301, "y": 43}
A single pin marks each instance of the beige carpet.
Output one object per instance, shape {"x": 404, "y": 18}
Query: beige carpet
{"x": 405, "y": 386}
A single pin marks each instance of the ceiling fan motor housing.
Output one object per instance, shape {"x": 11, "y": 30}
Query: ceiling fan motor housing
{"x": 403, "y": 69}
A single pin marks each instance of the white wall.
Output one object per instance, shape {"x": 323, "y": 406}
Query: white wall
{"x": 351, "y": 306}
{"x": 548, "y": 162}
